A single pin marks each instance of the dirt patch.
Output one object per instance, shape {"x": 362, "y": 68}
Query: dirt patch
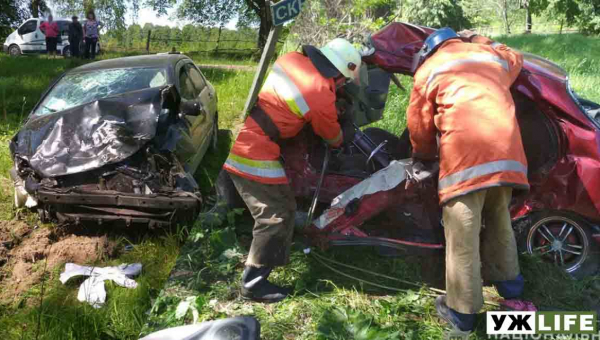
{"x": 28, "y": 255}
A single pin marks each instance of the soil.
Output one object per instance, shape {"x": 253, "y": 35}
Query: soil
{"x": 27, "y": 253}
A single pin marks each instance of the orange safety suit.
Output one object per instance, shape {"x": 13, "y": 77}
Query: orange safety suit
{"x": 461, "y": 96}
{"x": 295, "y": 93}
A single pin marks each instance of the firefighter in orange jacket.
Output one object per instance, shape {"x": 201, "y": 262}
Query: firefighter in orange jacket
{"x": 461, "y": 108}
{"x": 300, "y": 89}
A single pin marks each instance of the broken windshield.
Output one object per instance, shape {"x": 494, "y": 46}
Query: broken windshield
{"x": 80, "y": 88}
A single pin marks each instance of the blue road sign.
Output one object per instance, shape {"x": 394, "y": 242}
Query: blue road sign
{"x": 285, "y": 10}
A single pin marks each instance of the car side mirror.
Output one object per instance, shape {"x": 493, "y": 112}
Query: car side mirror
{"x": 191, "y": 108}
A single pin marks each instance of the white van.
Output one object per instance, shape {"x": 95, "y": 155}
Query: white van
{"x": 28, "y": 39}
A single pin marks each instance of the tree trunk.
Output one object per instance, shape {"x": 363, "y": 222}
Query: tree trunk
{"x": 562, "y": 21}
{"x": 35, "y": 8}
{"x": 528, "y": 21}
{"x": 265, "y": 23}
{"x": 505, "y": 17}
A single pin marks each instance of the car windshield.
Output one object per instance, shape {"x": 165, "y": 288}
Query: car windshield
{"x": 80, "y": 88}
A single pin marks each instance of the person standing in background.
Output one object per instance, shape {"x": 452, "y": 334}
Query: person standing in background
{"x": 90, "y": 35}
{"x": 50, "y": 30}
{"x": 75, "y": 36}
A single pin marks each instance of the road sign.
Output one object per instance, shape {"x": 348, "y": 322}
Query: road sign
{"x": 285, "y": 10}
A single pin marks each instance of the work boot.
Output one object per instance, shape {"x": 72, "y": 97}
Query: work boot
{"x": 458, "y": 321}
{"x": 256, "y": 287}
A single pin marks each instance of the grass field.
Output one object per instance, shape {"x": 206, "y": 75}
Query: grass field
{"x": 325, "y": 304}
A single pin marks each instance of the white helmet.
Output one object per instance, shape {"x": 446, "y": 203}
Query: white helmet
{"x": 343, "y": 56}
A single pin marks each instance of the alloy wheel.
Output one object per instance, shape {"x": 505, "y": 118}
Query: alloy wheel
{"x": 559, "y": 240}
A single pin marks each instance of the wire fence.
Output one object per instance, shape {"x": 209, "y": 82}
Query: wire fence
{"x": 517, "y": 29}
{"x": 213, "y": 42}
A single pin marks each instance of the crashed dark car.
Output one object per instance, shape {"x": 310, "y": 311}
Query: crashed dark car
{"x": 117, "y": 141}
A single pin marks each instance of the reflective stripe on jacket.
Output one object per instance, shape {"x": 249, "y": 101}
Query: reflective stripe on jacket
{"x": 294, "y": 93}
{"x": 462, "y": 96}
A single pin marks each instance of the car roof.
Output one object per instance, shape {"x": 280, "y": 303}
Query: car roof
{"x": 155, "y": 60}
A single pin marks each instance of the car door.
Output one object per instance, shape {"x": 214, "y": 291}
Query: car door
{"x": 202, "y": 127}
{"x": 32, "y": 39}
{"x": 186, "y": 148}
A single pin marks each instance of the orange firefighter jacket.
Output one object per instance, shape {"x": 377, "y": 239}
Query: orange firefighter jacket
{"x": 294, "y": 93}
{"x": 461, "y": 96}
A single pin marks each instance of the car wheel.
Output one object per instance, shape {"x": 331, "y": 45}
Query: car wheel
{"x": 14, "y": 51}
{"x": 564, "y": 240}
{"x": 214, "y": 143}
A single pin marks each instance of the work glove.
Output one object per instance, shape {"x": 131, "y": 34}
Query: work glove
{"x": 417, "y": 172}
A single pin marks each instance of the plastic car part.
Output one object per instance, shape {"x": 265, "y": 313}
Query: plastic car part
{"x": 238, "y": 328}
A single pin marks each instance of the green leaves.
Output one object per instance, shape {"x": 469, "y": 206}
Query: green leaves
{"x": 436, "y": 13}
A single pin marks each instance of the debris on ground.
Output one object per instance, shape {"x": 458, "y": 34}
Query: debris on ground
{"x": 92, "y": 290}
{"x": 26, "y": 253}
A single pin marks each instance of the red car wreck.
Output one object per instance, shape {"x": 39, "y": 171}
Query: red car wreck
{"x": 361, "y": 186}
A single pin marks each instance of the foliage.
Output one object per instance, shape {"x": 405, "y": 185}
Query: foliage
{"x": 11, "y": 15}
{"x": 436, "y": 13}
{"x": 112, "y": 13}
{"x": 219, "y": 12}
{"x": 188, "y": 38}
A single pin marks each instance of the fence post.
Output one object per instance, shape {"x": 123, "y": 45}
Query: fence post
{"x": 218, "y": 39}
{"x": 148, "y": 42}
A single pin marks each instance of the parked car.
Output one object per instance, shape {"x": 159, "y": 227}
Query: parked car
{"x": 117, "y": 141}
{"x": 29, "y": 39}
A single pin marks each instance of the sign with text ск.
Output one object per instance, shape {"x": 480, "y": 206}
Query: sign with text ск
{"x": 285, "y": 10}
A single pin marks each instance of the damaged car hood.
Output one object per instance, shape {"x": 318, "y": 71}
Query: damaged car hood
{"x": 91, "y": 135}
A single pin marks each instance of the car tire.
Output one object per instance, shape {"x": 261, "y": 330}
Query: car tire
{"x": 563, "y": 239}
{"x": 214, "y": 143}
{"x": 14, "y": 50}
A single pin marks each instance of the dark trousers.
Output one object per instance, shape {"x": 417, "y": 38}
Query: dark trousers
{"x": 51, "y": 45}
{"x": 90, "y": 48}
{"x": 74, "y": 46}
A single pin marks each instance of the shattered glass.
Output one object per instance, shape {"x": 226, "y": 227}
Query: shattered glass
{"x": 80, "y": 88}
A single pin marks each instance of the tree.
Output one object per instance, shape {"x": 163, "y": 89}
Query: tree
{"x": 436, "y": 13}
{"x": 110, "y": 12}
{"x": 219, "y": 12}
{"x": 11, "y": 15}
{"x": 37, "y": 7}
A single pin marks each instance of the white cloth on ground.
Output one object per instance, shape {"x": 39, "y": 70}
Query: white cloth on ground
{"x": 92, "y": 290}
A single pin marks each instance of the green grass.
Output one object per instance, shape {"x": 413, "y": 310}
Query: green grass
{"x": 579, "y": 55}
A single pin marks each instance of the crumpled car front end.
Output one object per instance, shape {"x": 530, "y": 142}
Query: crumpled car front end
{"x": 113, "y": 160}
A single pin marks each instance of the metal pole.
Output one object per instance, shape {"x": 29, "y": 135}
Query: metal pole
{"x": 267, "y": 55}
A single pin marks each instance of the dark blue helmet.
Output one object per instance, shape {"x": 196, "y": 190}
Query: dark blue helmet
{"x": 432, "y": 43}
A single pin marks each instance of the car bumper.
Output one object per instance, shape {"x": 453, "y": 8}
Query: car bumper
{"x": 5, "y": 48}
{"x": 155, "y": 210}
